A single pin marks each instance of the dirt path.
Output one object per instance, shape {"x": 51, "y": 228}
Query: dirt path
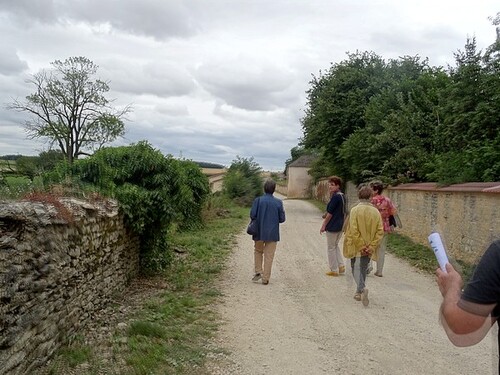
{"x": 305, "y": 322}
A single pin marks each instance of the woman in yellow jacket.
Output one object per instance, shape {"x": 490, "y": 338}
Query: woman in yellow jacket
{"x": 363, "y": 235}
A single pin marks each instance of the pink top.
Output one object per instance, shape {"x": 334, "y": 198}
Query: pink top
{"x": 386, "y": 209}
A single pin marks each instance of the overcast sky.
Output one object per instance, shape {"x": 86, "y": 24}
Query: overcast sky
{"x": 210, "y": 80}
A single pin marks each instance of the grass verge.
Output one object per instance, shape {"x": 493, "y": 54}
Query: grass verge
{"x": 170, "y": 331}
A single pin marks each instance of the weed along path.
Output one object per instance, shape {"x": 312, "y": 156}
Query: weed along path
{"x": 305, "y": 322}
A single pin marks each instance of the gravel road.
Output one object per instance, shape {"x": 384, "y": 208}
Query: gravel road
{"x": 305, "y": 322}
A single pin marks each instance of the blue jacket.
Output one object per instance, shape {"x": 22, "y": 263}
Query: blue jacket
{"x": 269, "y": 213}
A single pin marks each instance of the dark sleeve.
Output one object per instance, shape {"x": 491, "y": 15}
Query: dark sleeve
{"x": 484, "y": 287}
{"x": 333, "y": 204}
{"x": 253, "y": 210}
{"x": 281, "y": 212}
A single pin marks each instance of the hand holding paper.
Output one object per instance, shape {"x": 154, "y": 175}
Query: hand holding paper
{"x": 439, "y": 251}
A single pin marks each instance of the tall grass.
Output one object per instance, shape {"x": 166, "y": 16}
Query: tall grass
{"x": 15, "y": 187}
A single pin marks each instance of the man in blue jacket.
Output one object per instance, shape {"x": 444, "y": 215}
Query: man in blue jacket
{"x": 269, "y": 213}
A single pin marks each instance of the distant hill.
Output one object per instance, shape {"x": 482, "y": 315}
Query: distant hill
{"x": 203, "y": 164}
{"x": 10, "y": 157}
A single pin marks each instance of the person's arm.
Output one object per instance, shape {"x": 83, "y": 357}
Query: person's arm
{"x": 392, "y": 208}
{"x": 327, "y": 218}
{"x": 462, "y": 327}
{"x": 253, "y": 210}
{"x": 282, "y": 216}
{"x": 379, "y": 234}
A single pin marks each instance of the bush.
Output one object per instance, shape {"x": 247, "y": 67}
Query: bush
{"x": 243, "y": 181}
{"x": 154, "y": 192}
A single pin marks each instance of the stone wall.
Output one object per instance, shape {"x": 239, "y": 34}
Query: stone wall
{"x": 467, "y": 215}
{"x": 467, "y": 219}
{"x": 56, "y": 270}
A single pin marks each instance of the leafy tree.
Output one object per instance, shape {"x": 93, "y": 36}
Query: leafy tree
{"x": 47, "y": 160}
{"x": 336, "y": 105}
{"x": 406, "y": 121}
{"x": 27, "y": 166}
{"x": 464, "y": 94}
{"x": 243, "y": 181}
{"x": 467, "y": 138}
{"x": 70, "y": 110}
{"x": 400, "y": 122}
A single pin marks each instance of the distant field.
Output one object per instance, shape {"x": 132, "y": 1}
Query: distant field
{"x": 7, "y": 165}
{"x": 18, "y": 186}
{"x": 212, "y": 171}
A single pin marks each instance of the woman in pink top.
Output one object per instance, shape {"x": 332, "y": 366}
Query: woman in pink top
{"x": 386, "y": 209}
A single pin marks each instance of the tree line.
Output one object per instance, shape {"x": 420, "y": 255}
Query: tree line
{"x": 402, "y": 120}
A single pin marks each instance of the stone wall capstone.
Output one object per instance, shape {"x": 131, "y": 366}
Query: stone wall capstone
{"x": 55, "y": 273}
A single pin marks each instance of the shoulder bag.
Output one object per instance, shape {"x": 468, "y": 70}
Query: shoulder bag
{"x": 253, "y": 226}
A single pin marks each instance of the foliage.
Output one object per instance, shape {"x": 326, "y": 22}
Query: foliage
{"x": 336, "y": 105}
{"x": 403, "y": 120}
{"x": 27, "y": 166}
{"x": 154, "y": 191}
{"x": 203, "y": 164}
{"x": 10, "y": 157}
{"x": 422, "y": 257}
{"x": 243, "y": 181}
{"x": 33, "y": 166}
{"x": 70, "y": 110}
{"x": 15, "y": 186}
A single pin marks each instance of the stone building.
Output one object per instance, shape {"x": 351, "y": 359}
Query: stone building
{"x": 300, "y": 182}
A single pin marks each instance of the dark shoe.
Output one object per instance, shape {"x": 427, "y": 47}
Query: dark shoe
{"x": 257, "y": 277}
{"x": 378, "y": 274}
{"x": 265, "y": 282}
{"x": 341, "y": 270}
{"x": 364, "y": 297}
{"x": 369, "y": 269}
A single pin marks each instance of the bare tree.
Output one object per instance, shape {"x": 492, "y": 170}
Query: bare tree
{"x": 70, "y": 110}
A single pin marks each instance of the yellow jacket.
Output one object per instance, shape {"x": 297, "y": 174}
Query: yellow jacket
{"x": 365, "y": 228}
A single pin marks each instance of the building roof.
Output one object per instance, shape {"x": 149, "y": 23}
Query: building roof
{"x": 481, "y": 187}
{"x": 303, "y": 161}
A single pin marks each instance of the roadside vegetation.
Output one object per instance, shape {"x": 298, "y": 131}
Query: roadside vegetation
{"x": 169, "y": 331}
{"x": 164, "y": 323}
{"x": 404, "y": 120}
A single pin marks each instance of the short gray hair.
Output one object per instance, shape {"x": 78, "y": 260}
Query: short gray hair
{"x": 365, "y": 192}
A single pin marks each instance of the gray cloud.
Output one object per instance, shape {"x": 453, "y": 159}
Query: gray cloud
{"x": 10, "y": 63}
{"x": 157, "y": 78}
{"x": 29, "y": 11}
{"x": 246, "y": 84}
{"x": 212, "y": 80}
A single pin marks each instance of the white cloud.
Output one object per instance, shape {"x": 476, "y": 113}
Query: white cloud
{"x": 212, "y": 80}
